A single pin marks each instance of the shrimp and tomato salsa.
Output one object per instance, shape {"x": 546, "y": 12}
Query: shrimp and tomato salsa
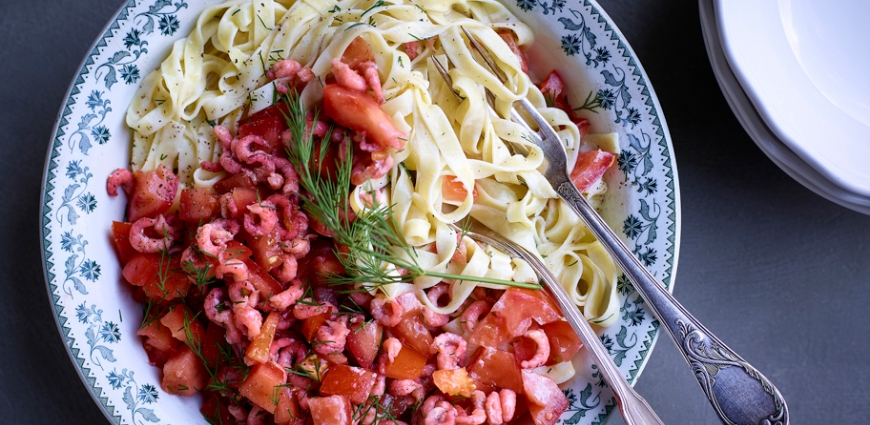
{"x": 238, "y": 308}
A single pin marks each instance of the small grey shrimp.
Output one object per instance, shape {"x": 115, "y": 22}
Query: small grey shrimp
{"x": 146, "y": 244}
{"x": 387, "y": 313}
{"x": 121, "y": 177}
{"x": 450, "y": 348}
{"x": 541, "y": 353}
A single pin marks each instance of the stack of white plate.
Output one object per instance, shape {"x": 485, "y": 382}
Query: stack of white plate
{"x": 797, "y": 75}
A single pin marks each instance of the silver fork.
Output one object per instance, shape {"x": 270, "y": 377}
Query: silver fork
{"x": 738, "y": 392}
{"x": 635, "y": 410}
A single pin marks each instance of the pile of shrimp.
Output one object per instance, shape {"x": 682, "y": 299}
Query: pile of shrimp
{"x": 301, "y": 250}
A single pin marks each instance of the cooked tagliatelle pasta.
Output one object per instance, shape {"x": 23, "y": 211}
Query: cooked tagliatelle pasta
{"x": 218, "y": 74}
{"x": 426, "y": 154}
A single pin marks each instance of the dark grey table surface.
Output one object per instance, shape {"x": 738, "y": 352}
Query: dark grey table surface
{"x": 776, "y": 271}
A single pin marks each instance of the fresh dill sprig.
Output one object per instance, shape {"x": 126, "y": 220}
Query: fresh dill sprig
{"x": 374, "y": 239}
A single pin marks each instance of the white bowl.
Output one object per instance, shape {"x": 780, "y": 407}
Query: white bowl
{"x": 96, "y": 317}
{"x": 803, "y": 65}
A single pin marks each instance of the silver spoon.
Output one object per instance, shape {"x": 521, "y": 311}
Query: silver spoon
{"x": 738, "y": 392}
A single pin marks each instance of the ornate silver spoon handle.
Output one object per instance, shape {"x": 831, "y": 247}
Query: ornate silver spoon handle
{"x": 635, "y": 410}
{"x": 739, "y": 393}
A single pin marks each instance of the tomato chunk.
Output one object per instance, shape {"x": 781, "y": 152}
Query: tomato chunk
{"x": 357, "y": 52}
{"x": 258, "y": 351}
{"x": 357, "y": 111}
{"x": 214, "y": 335}
{"x": 184, "y": 326}
{"x": 364, "y": 341}
{"x": 184, "y": 373}
{"x": 121, "y": 235}
{"x": 198, "y": 205}
{"x": 332, "y": 410}
{"x": 215, "y": 411}
{"x": 312, "y": 324}
{"x": 590, "y": 167}
{"x": 510, "y": 39}
{"x": 232, "y": 182}
{"x": 262, "y": 280}
{"x": 160, "y": 276}
{"x": 564, "y": 342}
{"x": 259, "y": 386}
{"x": 153, "y": 193}
{"x": 546, "y": 400}
{"x": 493, "y": 368}
{"x": 158, "y": 336}
{"x": 454, "y": 382}
{"x": 408, "y": 364}
{"x": 354, "y": 382}
{"x": 288, "y": 411}
{"x": 268, "y": 128}
{"x": 413, "y": 333}
{"x": 453, "y": 189}
{"x": 519, "y": 307}
{"x": 266, "y": 250}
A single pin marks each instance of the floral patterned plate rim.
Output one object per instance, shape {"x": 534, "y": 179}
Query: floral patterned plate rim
{"x": 96, "y": 317}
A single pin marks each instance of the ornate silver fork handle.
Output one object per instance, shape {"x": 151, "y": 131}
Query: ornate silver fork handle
{"x": 635, "y": 410}
{"x": 738, "y": 392}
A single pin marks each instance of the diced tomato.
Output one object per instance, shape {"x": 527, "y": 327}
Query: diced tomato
{"x": 288, "y": 412}
{"x": 408, "y": 364}
{"x": 268, "y": 128}
{"x": 238, "y": 249}
{"x": 358, "y": 111}
{"x": 364, "y": 341}
{"x": 215, "y": 411}
{"x": 332, "y": 410}
{"x": 490, "y": 332}
{"x": 258, "y": 351}
{"x": 354, "y": 382}
{"x": 493, "y": 368}
{"x": 232, "y": 182}
{"x": 278, "y": 110}
{"x": 582, "y": 125}
{"x": 552, "y": 86}
{"x": 321, "y": 267}
{"x": 214, "y": 335}
{"x": 413, "y": 333}
{"x": 184, "y": 373}
{"x": 266, "y": 250}
{"x": 121, "y": 234}
{"x": 159, "y": 275}
{"x": 183, "y": 325}
{"x": 259, "y": 386}
{"x": 243, "y": 197}
{"x": 590, "y": 167}
{"x": 454, "y": 382}
{"x": 509, "y": 38}
{"x": 454, "y": 190}
{"x": 357, "y": 52}
{"x": 519, "y": 307}
{"x": 312, "y": 324}
{"x": 411, "y": 49}
{"x": 153, "y": 193}
{"x": 564, "y": 342}
{"x": 158, "y": 336}
{"x": 198, "y": 204}
{"x": 262, "y": 280}
{"x": 546, "y": 400}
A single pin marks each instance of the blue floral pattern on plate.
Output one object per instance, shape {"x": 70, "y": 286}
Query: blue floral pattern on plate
{"x": 609, "y": 88}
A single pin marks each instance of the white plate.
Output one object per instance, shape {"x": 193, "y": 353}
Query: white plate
{"x": 96, "y": 316}
{"x": 803, "y": 65}
{"x": 754, "y": 125}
